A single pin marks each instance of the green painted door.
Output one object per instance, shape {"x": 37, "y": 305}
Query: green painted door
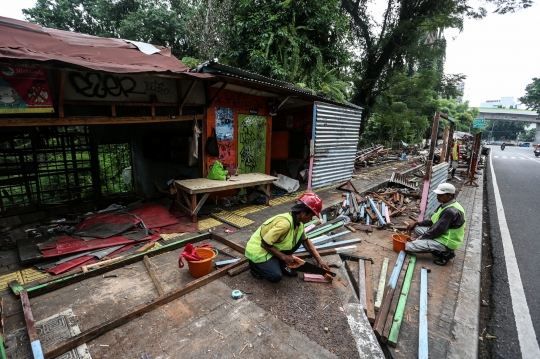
{"x": 251, "y": 144}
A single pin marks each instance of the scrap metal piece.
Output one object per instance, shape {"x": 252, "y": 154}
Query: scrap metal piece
{"x": 402, "y": 180}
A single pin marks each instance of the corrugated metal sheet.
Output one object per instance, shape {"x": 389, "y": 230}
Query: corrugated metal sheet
{"x": 336, "y": 139}
{"x": 439, "y": 175}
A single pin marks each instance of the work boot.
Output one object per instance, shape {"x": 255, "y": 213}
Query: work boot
{"x": 255, "y": 274}
{"x": 289, "y": 272}
{"x": 444, "y": 258}
{"x": 436, "y": 253}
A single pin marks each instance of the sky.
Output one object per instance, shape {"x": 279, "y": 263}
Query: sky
{"x": 499, "y": 54}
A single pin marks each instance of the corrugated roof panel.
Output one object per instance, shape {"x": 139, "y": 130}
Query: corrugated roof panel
{"x": 336, "y": 139}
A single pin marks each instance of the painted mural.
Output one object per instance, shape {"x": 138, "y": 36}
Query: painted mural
{"x": 224, "y": 124}
{"x": 227, "y": 154}
{"x": 251, "y": 144}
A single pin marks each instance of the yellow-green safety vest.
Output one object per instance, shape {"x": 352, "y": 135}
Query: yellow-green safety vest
{"x": 453, "y": 237}
{"x": 258, "y": 254}
{"x": 455, "y": 155}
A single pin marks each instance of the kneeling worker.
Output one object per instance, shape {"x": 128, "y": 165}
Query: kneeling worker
{"x": 446, "y": 227}
{"x": 270, "y": 248}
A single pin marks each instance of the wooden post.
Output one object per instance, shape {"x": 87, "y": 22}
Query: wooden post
{"x": 446, "y": 141}
{"x": 362, "y": 284}
{"x": 394, "y": 303}
{"x": 422, "y": 320}
{"x": 193, "y": 207}
{"x": 380, "y": 320}
{"x": 370, "y": 309}
{"x": 398, "y": 318}
{"x": 268, "y": 194}
{"x": 382, "y": 282}
{"x": 60, "y": 93}
{"x": 434, "y": 131}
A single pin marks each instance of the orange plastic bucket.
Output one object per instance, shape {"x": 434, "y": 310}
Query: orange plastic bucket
{"x": 203, "y": 267}
{"x": 399, "y": 242}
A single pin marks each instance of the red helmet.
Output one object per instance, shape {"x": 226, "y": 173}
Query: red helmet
{"x": 313, "y": 201}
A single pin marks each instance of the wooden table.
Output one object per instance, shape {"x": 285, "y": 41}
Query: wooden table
{"x": 187, "y": 190}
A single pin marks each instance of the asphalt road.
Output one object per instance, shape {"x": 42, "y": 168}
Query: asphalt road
{"x": 517, "y": 173}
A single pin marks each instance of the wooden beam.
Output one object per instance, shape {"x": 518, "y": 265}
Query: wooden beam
{"x": 153, "y": 275}
{"x": 188, "y": 92}
{"x": 80, "y": 121}
{"x": 362, "y": 284}
{"x": 394, "y": 303}
{"x": 423, "y": 352}
{"x": 60, "y": 94}
{"x": 136, "y": 312}
{"x": 49, "y": 284}
{"x": 380, "y": 320}
{"x": 370, "y": 307}
{"x": 398, "y": 318}
{"x": 119, "y": 103}
{"x": 211, "y": 102}
{"x": 283, "y": 102}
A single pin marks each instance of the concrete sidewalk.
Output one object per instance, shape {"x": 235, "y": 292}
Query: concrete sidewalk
{"x": 454, "y": 290}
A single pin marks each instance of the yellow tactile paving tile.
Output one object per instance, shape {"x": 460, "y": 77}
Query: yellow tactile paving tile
{"x": 208, "y": 223}
{"x": 233, "y": 219}
{"x": 30, "y": 275}
{"x": 248, "y": 210}
{"x": 6, "y": 278}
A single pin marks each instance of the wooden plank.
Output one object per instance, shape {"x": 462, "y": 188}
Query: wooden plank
{"x": 394, "y": 303}
{"x": 237, "y": 247}
{"x": 82, "y": 121}
{"x": 153, "y": 275}
{"x": 102, "y": 263}
{"x": 188, "y": 92}
{"x": 382, "y": 282}
{"x": 422, "y": 319}
{"x": 362, "y": 284}
{"x": 370, "y": 302}
{"x": 238, "y": 270}
{"x": 49, "y": 284}
{"x": 35, "y": 344}
{"x": 380, "y": 319}
{"x": 201, "y": 202}
{"x": 146, "y": 247}
{"x": 204, "y": 185}
{"x": 211, "y": 102}
{"x": 136, "y": 312}
{"x": 398, "y": 317}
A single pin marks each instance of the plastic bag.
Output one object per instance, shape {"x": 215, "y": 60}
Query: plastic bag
{"x": 217, "y": 172}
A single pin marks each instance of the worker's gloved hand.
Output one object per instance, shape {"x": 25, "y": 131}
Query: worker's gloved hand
{"x": 289, "y": 260}
{"x": 322, "y": 264}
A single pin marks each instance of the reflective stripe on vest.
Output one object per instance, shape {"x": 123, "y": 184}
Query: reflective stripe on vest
{"x": 258, "y": 254}
{"x": 453, "y": 237}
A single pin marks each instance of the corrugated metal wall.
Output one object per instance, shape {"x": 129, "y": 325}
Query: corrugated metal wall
{"x": 439, "y": 175}
{"x": 336, "y": 139}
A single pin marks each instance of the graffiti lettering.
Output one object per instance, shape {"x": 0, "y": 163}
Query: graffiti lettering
{"x": 97, "y": 85}
{"x": 252, "y": 136}
{"x": 157, "y": 87}
{"x": 236, "y": 99}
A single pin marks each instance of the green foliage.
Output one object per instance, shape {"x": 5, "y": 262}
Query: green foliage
{"x": 506, "y": 130}
{"x": 532, "y": 96}
{"x": 153, "y": 21}
{"x": 305, "y": 42}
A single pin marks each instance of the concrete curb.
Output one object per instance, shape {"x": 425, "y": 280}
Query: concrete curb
{"x": 465, "y": 331}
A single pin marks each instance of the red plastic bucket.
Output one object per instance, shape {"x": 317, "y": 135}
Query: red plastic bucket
{"x": 203, "y": 267}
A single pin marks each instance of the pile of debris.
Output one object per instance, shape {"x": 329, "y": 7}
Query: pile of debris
{"x": 380, "y": 208}
{"x": 97, "y": 239}
{"x": 370, "y": 155}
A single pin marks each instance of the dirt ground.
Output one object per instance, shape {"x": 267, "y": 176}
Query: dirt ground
{"x": 308, "y": 307}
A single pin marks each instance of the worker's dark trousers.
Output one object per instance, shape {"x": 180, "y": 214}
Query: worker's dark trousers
{"x": 271, "y": 269}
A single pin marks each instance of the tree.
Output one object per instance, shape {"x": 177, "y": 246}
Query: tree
{"x": 305, "y": 42}
{"x": 386, "y": 47}
{"x": 532, "y": 96}
{"x": 154, "y": 21}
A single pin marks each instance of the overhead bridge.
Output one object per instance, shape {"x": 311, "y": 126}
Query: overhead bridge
{"x": 501, "y": 114}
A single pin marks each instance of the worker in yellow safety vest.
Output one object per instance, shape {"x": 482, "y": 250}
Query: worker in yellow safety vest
{"x": 270, "y": 248}
{"x": 454, "y": 157}
{"x": 444, "y": 231}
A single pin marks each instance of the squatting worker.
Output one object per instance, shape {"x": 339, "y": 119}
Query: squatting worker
{"x": 444, "y": 231}
{"x": 270, "y": 248}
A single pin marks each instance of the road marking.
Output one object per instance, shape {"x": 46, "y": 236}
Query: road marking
{"x": 526, "y": 335}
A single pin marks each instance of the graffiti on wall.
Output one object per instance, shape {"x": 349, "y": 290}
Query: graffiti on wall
{"x": 241, "y": 100}
{"x": 93, "y": 85}
{"x": 227, "y": 154}
{"x": 251, "y": 144}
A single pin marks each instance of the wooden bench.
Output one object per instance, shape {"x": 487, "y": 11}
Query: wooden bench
{"x": 187, "y": 190}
